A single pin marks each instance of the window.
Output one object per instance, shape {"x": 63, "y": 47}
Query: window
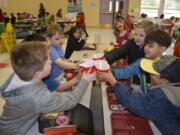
{"x": 155, "y": 7}
{"x": 150, "y": 7}
{"x": 172, "y": 8}
{"x": 110, "y": 6}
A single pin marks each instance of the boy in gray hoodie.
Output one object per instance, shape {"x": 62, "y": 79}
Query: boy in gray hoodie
{"x": 25, "y": 94}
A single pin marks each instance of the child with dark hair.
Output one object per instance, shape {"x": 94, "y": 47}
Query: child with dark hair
{"x": 119, "y": 15}
{"x": 6, "y": 18}
{"x": 162, "y": 103}
{"x": 42, "y": 11}
{"x": 13, "y": 19}
{"x": 75, "y": 41}
{"x": 59, "y": 16}
{"x": 80, "y": 22}
{"x": 155, "y": 44}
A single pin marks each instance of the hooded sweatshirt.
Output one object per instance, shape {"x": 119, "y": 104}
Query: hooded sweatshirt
{"x": 161, "y": 104}
{"x": 25, "y": 101}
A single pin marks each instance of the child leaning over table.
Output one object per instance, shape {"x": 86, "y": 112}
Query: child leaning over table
{"x": 56, "y": 38}
{"x": 25, "y": 94}
{"x": 155, "y": 45}
{"x": 133, "y": 49}
{"x": 162, "y": 103}
{"x": 51, "y": 83}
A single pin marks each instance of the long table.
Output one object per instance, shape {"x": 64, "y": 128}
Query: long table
{"x": 78, "y": 55}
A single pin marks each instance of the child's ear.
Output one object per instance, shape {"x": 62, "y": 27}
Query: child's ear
{"x": 37, "y": 75}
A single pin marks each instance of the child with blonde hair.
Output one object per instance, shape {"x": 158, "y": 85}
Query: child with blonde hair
{"x": 133, "y": 49}
{"x": 56, "y": 38}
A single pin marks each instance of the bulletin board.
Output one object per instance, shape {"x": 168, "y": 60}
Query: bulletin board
{"x": 74, "y": 6}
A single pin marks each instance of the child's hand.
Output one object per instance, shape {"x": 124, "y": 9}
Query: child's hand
{"x": 79, "y": 76}
{"x": 106, "y": 76}
{"x": 76, "y": 66}
{"x": 89, "y": 76}
{"x": 84, "y": 38}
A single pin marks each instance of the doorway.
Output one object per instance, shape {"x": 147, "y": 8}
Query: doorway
{"x": 108, "y": 10}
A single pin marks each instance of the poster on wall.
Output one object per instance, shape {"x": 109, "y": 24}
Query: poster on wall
{"x": 74, "y": 6}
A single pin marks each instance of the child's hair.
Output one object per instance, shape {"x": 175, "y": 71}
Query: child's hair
{"x": 72, "y": 30}
{"x": 146, "y": 25}
{"x": 53, "y": 29}
{"x": 119, "y": 20}
{"x": 116, "y": 31}
{"x": 27, "y": 58}
{"x": 35, "y": 37}
{"x": 51, "y": 20}
{"x": 160, "y": 37}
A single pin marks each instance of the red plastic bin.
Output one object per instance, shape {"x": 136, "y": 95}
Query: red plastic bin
{"x": 113, "y": 102}
{"x": 129, "y": 124}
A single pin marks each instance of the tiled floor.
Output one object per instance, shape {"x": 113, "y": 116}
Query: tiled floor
{"x": 101, "y": 36}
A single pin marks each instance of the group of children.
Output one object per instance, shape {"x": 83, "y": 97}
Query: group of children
{"x": 39, "y": 65}
{"x": 34, "y": 61}
{"x": 157, "y": 98}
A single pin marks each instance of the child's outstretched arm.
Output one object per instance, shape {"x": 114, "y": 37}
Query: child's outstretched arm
{"x": 69, "y": 84}
{"x": 65, "y": 64}
{"x": 106, "y": 77}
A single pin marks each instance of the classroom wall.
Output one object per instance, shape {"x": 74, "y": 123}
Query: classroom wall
{"x": 90, "y": 7}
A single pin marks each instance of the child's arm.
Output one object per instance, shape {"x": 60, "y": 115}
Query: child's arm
{"x": 117, "y": 53}
{"x": 65, "y": 64}
{"x": 142, "y": 104}
{"x": 81, "y": 42}
{"x": 68, "y": 85}
{"x": 46, "y": 101}
{"x": 128, "y": 71}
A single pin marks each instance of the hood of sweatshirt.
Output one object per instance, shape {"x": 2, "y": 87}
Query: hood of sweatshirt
{"x": 14, "y": 82}
{"x": 172, "y": 91}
